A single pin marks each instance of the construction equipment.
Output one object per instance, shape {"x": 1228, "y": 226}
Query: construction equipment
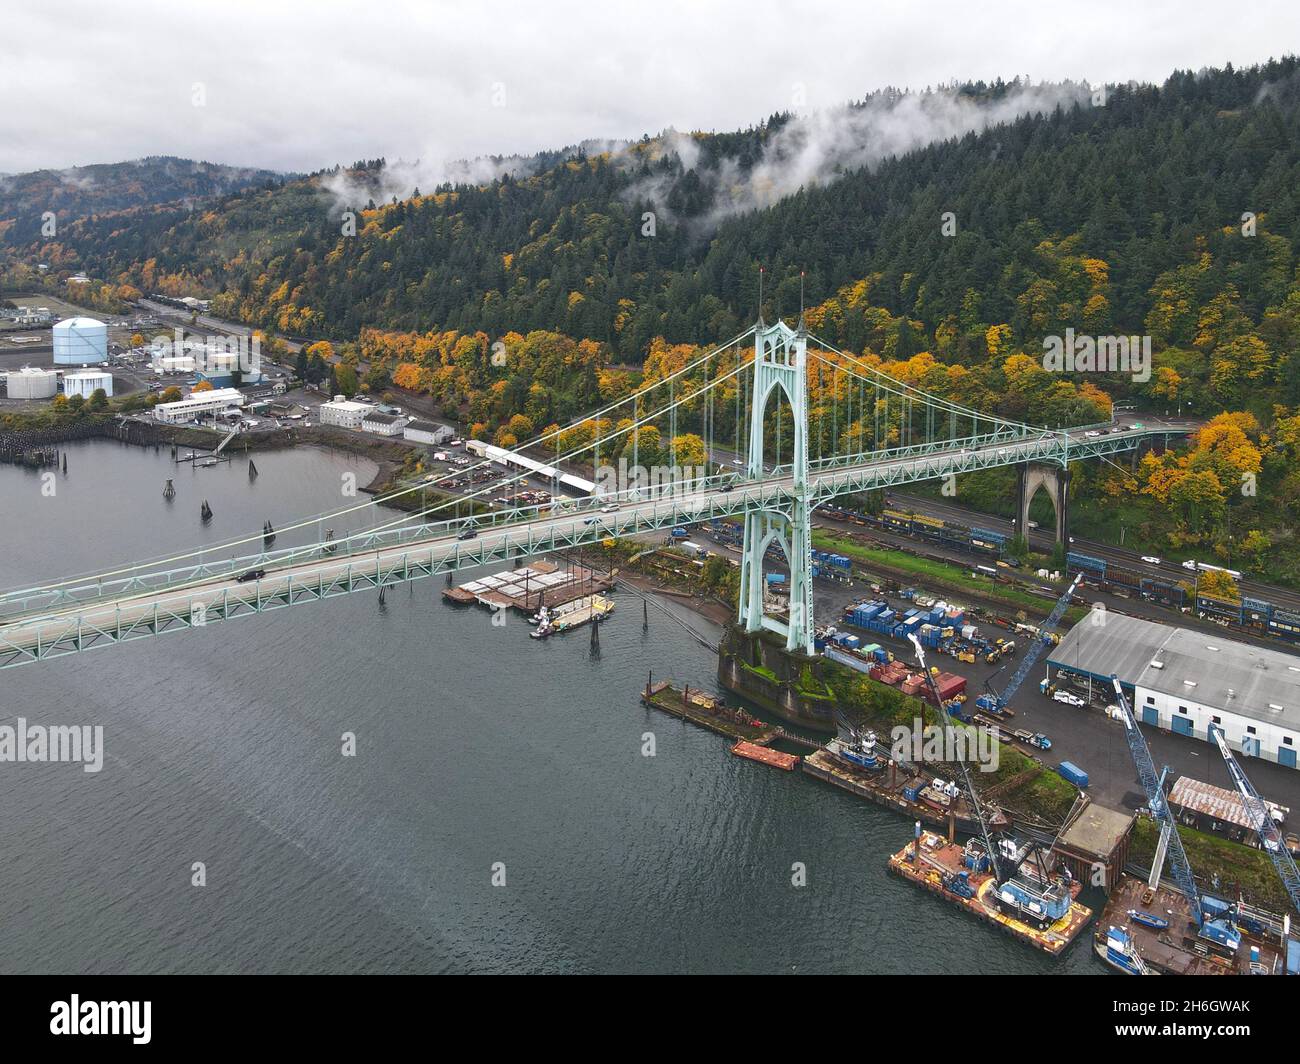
{"x": 997, "y": 703}
{"x": 1269, "y": 835}
{"x": 1218, "y": 929}
{"x": 970, "y": 789}
{"x": 1036, "y": 900}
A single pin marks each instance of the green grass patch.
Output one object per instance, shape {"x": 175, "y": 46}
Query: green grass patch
{"x": 1046, "y": 795}
{"x": 761, "y": 670}
{"x": 1236, "y": 865}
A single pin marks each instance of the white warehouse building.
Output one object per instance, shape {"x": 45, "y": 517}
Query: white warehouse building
{"x": 1184, "y": 681}
{"x": 417, "y": 431}
{"x": 383, "y": 424}
{"x": 80, "y": 342}
{"x": 344, "y": 413}
{"x": 86, "y": 382}
{"x": 199, "y": 403}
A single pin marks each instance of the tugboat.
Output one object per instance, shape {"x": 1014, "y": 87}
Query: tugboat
{"x": 861, "y": 749}
{"x": 1119, "y": 952}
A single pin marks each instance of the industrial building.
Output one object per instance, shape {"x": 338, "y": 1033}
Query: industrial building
{"x": 87, "y": 382}
{"x": 343, "y": 412}
{"x": 27, "y": 315}
{"x": 80, "y": 342}
{"x": 30, "y": 383}
{"x": 1097, "y": 840}
{"x": 198, "y": 404}
{"x": 1215, "y": 809}
{"x": 1184, "y": 681}
{"x": 501, "y": 456}
{"x": 427, "y": 432}
{"x": 382, "y": 424}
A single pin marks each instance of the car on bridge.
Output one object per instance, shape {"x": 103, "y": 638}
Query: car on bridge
{"x": 250, "y": 576}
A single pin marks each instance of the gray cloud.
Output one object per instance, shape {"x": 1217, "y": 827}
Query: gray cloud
{"x": 303, "y": 87}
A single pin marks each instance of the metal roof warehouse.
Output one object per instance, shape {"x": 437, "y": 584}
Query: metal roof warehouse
{"x": 1184, "y": 680}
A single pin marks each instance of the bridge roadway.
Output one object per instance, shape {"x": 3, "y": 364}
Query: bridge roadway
{"x": 75, "y": 618}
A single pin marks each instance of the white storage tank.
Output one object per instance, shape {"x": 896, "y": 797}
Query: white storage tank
{"x": 80, "y": 342}
{"x": 85, "y": 383}
{"x": 29, "y": 383}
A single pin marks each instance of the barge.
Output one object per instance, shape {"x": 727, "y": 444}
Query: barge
{"x": 1157, "y": 928}
{"x": 589, "y": 610}
{"x": 765, "y": 756}
{"x": 708, "y": 712}
{"x": 1047, "y": 916}
{"x": 902, "y": 789}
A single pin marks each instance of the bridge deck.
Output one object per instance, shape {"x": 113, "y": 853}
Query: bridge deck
{"x": 39, "y": 623}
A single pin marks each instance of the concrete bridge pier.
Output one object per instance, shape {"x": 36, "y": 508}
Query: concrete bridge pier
{"x": 1055, "y": 480}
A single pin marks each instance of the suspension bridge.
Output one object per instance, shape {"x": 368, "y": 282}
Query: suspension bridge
{"x": 806, "y": 422}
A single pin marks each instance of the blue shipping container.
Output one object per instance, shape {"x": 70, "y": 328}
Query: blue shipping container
{"x": 1073, "y": 773}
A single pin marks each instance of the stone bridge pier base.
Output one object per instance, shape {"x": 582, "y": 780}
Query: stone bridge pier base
{"x": 1055, "y": 480}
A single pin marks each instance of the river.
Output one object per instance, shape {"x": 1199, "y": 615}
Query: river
{"x": 481, "y": 755}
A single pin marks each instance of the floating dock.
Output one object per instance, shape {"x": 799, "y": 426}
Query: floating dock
{"x": 887, "y": 787}
{"x": 938, "y": 860}
{"x": 529, "y": 588}
{"x": 708, "y": 712}
{"x": 1178, "y": 949}
{"x": 765, "y": 756}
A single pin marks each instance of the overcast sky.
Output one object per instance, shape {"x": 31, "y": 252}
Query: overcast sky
{"x": 300, "y": 86}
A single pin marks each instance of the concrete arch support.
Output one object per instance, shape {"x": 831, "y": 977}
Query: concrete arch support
{"x": 1055, "y": 480}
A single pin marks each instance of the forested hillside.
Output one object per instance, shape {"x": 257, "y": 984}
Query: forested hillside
{"x": 75, "y": 194}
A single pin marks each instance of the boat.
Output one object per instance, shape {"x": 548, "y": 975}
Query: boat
{"x": 1120, "y": 953}
{"x": 862, "y": 750}
{"x": 1150, "y": 919}
{"x": 935, "y": 798}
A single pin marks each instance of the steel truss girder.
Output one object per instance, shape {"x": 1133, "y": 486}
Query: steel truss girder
{"x": 54, "y": 631}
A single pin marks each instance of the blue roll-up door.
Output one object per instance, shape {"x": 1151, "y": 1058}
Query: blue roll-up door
{"x": 1151, "y": 715}
{"x": 1286, "y": 756}
{"x": 1182, "y": 725}
{"x": 1250, "y": 745}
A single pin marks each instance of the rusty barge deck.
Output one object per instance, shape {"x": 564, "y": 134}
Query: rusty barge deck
{"x": 1177, "y": 949}
{"x": 940, "y": 856}
{"x": 886, "y": 788}
{"x": 708, "y": 712}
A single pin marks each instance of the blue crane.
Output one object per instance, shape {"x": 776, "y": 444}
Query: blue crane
{"x": 997, "y": 703}
{"x": 1218, "y": 929}
{"x": 1269, "y": 836}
